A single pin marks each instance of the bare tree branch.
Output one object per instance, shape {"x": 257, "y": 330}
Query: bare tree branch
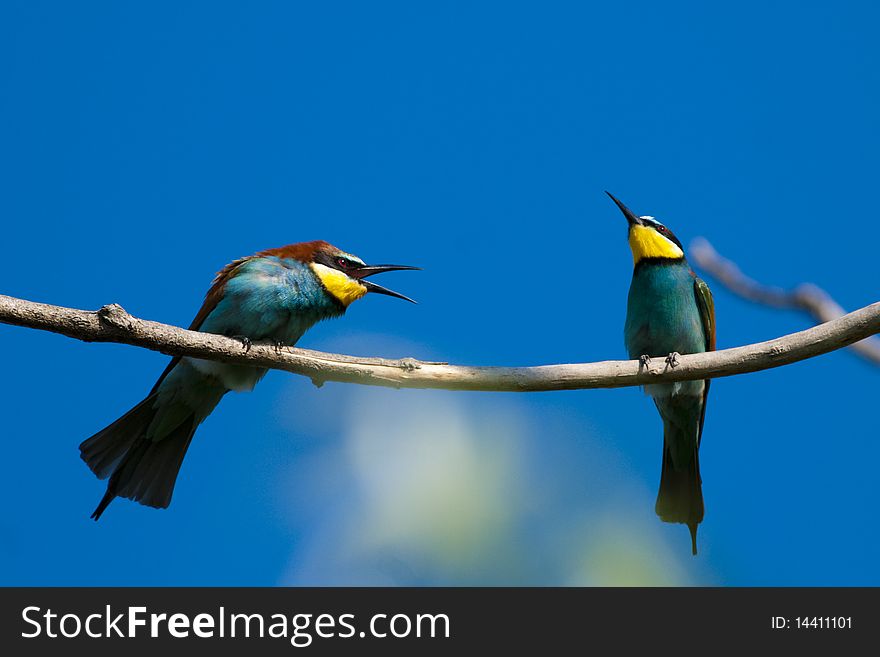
{"x": 806, "y": 297}
{"x": 112, "y": 324}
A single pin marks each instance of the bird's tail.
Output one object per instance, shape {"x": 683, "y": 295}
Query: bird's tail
{"x": 140, "y": 468}
{"x": 680, "y": 498}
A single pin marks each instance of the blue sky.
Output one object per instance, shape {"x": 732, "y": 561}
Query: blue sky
{"x": 144, "y": 146}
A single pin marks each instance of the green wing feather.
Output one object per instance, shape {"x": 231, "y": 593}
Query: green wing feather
{"x": 706, "y": 306}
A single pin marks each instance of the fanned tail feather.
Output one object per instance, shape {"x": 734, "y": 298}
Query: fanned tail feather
{"x": 139, "y": 469}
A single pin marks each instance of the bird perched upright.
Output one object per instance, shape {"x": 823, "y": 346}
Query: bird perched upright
{"x": 670, "y": 312}
{"x": 275, "y": 295}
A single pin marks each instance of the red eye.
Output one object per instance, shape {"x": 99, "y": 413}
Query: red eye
{"x": 661, "y": 229}
{"x": 342, "y": 262}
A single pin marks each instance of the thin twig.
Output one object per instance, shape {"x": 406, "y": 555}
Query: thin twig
{"x": 806, "y": 297}
{"x": 112, "y": 324}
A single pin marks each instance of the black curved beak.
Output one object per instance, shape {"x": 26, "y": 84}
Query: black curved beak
{"x": 631, "y": 217}
{"x": 368, "y": 270}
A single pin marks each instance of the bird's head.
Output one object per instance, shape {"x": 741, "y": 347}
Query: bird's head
{"x": 648, "y": 238}
{"x": 343, "y": 275}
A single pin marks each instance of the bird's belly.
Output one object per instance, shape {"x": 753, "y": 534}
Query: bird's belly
{"x": 677, "y": 389}
{"x": 239, "y": 378}
{"x": 278, "y": 325}
{"x": 676, "y": 335}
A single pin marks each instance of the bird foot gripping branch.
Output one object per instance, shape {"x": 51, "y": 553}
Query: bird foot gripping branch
{"x": 246, "y": 342}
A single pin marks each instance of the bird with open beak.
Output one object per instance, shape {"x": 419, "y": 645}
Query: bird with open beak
{"x": 275, "y": 295}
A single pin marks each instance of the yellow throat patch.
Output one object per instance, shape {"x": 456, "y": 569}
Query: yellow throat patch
{"x": 648, "y": 243}
{"x": 340, "y": 285}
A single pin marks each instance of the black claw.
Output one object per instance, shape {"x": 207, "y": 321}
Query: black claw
{"x": 279, "y": 345}
{"x": 672, "y": 359}
{"x": 245, "y": 341}
{"x": 644, "y": 360}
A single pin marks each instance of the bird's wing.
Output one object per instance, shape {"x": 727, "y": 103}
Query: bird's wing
{"x": 706, "y": 306}
{"x": 212, "y": 298}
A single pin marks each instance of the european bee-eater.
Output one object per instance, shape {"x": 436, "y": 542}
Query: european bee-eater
{"x": 275, "y": 295}
{"x": 670, "y": 312}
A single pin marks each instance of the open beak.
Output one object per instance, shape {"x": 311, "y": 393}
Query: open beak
{"x": 631, "y": 218}
{"x": 368, "y": 270}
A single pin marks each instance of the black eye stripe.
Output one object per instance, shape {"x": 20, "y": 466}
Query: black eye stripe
{"x": 336, "y": 261}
